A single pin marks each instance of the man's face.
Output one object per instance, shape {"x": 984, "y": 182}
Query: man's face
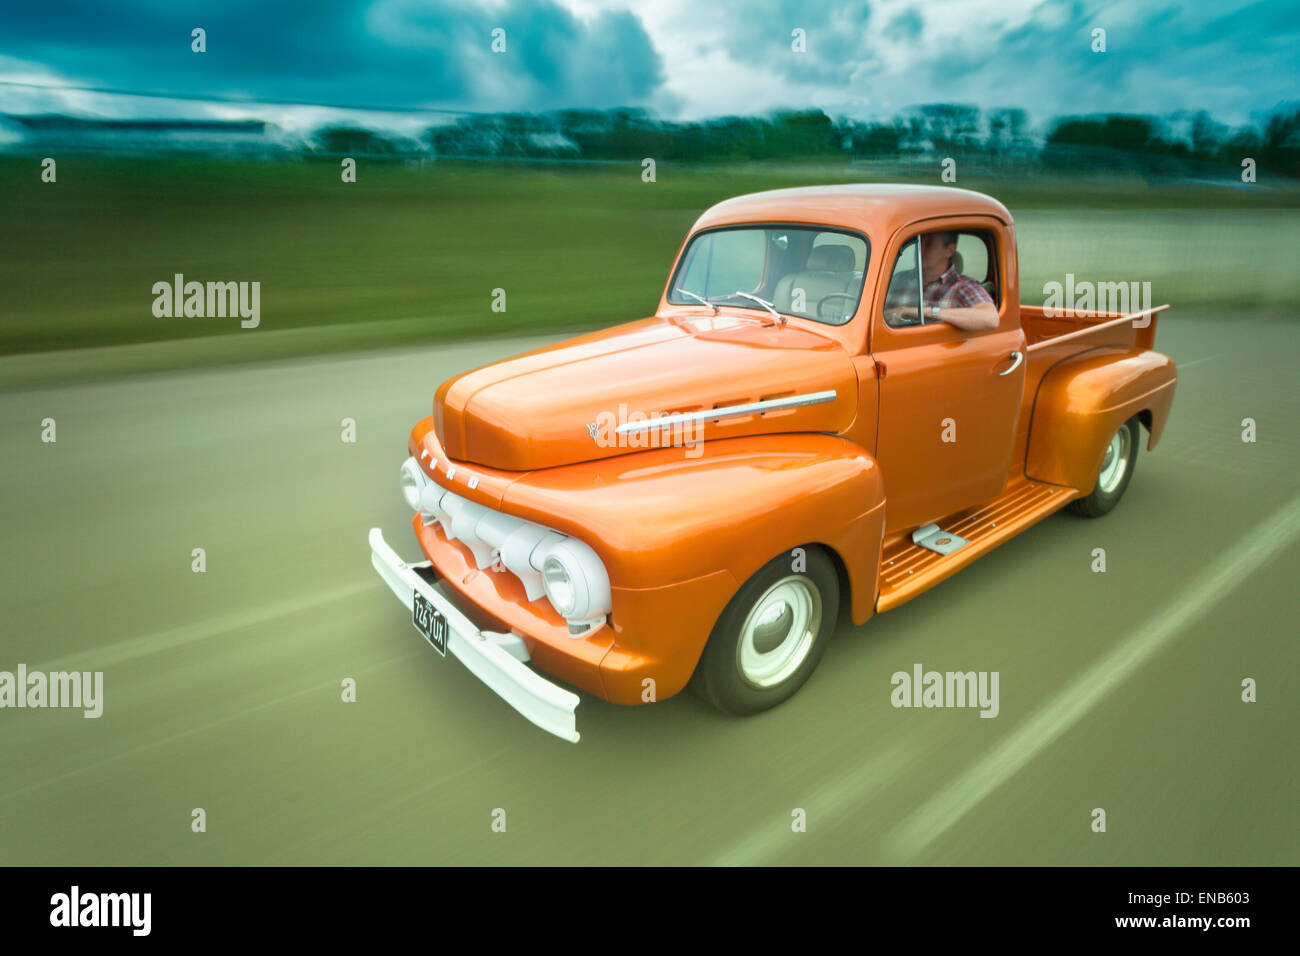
{"x": 935, "y": 254}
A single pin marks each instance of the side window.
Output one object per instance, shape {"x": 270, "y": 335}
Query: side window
{"x": 904, "y": 288}
{"x": 973, "y": 264}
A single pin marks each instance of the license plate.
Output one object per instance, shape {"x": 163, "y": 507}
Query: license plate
{"x": 430, "y": 622}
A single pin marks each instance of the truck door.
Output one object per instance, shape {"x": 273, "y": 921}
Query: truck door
{"x": 949, "y": 398}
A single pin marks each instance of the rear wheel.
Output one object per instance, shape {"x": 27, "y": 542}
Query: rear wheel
{"x": 771, "y": 636}
{"x": 1116, "y": 471}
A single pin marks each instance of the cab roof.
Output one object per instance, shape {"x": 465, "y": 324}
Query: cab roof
{"x": 875, "y": 208}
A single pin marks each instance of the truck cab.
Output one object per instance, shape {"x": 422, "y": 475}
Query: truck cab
{"x": 907, "y": 372}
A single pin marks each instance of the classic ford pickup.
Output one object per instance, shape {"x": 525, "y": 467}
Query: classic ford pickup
{"x": 839, "y": 402}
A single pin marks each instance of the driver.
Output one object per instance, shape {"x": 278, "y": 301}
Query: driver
{"x": 960, "y": 300}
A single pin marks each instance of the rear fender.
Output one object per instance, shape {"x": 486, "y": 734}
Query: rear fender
{"x": 1083, "y": 400}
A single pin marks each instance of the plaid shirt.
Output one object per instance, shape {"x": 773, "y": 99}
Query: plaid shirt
{"x": 952, "y": 290}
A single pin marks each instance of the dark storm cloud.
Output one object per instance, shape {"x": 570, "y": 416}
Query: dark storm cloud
{"x": 906, "y": 26}
{"x": 1158, "y": 58}
{"x": 760, "y": 32}
{"x": 389, "y": 52}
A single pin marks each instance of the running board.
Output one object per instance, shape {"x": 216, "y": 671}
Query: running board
{"x": 908, "y": 568}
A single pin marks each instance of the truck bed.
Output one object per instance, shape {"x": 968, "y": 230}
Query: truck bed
{"x": 1134, "y": 329}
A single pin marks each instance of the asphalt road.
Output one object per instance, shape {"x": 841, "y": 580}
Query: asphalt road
{"x": 222, "y": 690}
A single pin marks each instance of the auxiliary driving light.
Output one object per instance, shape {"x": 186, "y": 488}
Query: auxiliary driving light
{"x": 413, "y": 481}
{"x": 431, "y": 502}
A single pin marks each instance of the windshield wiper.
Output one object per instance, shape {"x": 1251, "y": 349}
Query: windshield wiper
{"x": 764, "y": 303}
{"x": 700, "y": 298}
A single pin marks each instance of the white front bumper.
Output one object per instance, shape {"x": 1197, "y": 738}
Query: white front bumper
{"x": 498, "y": 660}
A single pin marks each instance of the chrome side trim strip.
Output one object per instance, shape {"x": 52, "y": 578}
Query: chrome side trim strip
{"x": 731, "y": 411}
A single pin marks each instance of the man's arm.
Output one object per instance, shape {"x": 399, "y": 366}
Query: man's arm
{"x": 972, "y": 307}
{"x": 975, "y": 318}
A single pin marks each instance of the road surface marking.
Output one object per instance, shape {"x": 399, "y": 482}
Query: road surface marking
{"x": 108, "y": 655}
{"x": 330, "y": 684}
{"x": 1060, "y": 713}
{"x": 360, "y": 824}
{"x": 860, "y": 784}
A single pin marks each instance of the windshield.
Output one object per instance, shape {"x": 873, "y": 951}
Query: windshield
{"x": 804, "y": 271}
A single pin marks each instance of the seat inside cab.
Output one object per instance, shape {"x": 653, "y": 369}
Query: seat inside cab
{"x": 829, "y": 271}
{"x": 972, "y": 259}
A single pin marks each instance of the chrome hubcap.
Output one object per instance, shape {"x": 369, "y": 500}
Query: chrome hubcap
{"x": 779, "y": 631}
{"x": 1115, "y": 463}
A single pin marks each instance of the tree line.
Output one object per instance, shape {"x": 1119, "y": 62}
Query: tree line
{"x": 1000, "y": 136}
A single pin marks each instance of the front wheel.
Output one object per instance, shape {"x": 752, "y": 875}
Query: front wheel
{"x": 771, "y": 635}
{"x": 1116, "y": 471}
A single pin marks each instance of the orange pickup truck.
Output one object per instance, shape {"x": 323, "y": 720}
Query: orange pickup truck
{"x": 839, "y": 402}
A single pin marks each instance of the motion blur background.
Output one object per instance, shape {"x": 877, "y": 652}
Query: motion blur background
{"x": 523, "y": 170}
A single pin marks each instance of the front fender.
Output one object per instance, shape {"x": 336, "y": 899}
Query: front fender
{"x": 663, "y": 516}
{"x": 1082, "y": 401}
{"x": 679, "y": 535}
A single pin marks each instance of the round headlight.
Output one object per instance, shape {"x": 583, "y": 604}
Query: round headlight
{"x": 575, "y": 581}
{"x": 412, "y": 481}
{"x": 559, "y": 586}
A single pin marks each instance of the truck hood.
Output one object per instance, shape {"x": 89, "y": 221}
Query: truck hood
{"x": 563, "y": 404}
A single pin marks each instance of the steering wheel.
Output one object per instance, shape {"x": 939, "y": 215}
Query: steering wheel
{"x": 833, "y": 295}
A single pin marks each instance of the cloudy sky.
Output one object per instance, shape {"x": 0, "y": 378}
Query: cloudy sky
{"x": 684, "y": 59}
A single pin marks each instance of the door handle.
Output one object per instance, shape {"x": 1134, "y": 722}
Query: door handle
{"x": 1019, "y": 357}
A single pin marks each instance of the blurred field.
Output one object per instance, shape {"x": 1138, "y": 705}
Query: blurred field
{"x": 410, "y": 254}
